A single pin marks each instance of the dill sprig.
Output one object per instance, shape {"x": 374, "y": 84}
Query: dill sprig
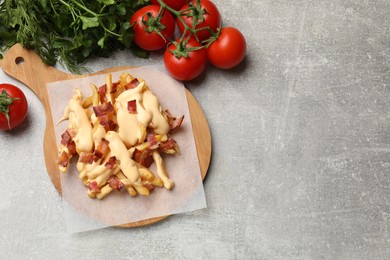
{"x": 69, "y": 31}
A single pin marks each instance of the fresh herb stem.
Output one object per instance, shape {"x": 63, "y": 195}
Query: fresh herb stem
{"x": 69, "y": 31}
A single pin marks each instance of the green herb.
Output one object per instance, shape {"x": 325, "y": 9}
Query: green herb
{"x": 69, "y": 31}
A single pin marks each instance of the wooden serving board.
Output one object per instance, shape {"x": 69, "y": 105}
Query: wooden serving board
{"x": 26, "y": 67}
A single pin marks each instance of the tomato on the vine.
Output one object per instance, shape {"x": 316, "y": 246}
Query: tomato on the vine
{"x": 13, "y": 106}
{"x": 204, "y": 15}
{"x": 228, "y": 50}
{"x": 174, "y": 4}
{"x": 185, "y": 60}
{"x": 152, "y": 32}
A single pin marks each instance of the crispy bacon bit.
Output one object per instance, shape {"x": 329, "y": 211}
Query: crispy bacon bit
{"x": 63, "y": 159}
{"x": 167, "y": 145}
{"x": 143, "y": 157}
{"x": 108, "y": 123}
{"x": 115, "y": 183}
{"x": 93, "y": 187}
{"x": 102, "y": 93}
{"x": 110, "y": 163}
{"x": 151, "y": 138}
{"x": 67, "y": 136}
{"x": 174, "y": 122}
{"x": 103, "y": 112}
{"x": 86, "y": 157}
{"x": 102, "y": 148}
{"x": 132, "y": 84}
{"x": 103, "y": 109}
{"x": 132, "y": 106}
{"x": 72, "y": 148}
{"x": 114, "y": 87}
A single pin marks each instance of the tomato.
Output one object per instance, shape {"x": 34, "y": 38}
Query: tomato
{"x": 174, "y": 4}
{"x": 188, "y": 63}
{"x": 228, "y": 50}
{"x": 206, "y": 14}
{"x": 146, "y": 27}
{"x": 13, "y": 103}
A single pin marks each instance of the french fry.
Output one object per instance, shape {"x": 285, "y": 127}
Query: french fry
{"x": 141, "y": 189}
{"x": 104, "y": 192}
{"x": 130, "y": 189}
{"x": 87, "y": 102}
{"x": 146, "y": 174}
{"x": 161, "y": 171}
{"x": 157, "y": 182}
{"x": 95, "y": 95}
{"x": 109, "y": 88}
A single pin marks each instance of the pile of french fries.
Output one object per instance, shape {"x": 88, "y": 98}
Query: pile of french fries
{"x": 107, "y": 159}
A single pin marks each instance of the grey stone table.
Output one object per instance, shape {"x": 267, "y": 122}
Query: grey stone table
{"x": 301, "y": 148}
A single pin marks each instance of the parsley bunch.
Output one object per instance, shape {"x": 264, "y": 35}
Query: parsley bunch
{"x": 69, "y": 31}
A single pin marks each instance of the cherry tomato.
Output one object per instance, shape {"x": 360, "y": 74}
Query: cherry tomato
{"x": 206, "y": 15}
{"x": 228, "y": 50}
{"x": 189, "y": 64}
{"x": 13, "y": 103}
{"x": 174, "y": 4}
{"x": 147, "y": 24}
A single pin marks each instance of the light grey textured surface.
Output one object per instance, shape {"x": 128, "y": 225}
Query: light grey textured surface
{"x": 301, "y": 148}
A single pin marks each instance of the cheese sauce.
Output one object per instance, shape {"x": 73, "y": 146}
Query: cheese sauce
{"x": 130, "y": 132}
{"x": 126, "y": 164}
{"x": 78, "y": 119}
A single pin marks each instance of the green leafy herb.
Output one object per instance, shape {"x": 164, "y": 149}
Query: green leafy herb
{"x": 69, "y": 31}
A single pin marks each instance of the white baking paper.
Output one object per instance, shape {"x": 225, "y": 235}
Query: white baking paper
{"x": 82, "y": 213}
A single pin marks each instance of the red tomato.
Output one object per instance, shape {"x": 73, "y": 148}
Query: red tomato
{"x": 12, "y": 103}
{"x": 174, "y": 4}
{"x": 189, "y": 64}
{"x": 206, "y": 15}
{"x": 146, "y": 28}
{"x": 228, "y": 50}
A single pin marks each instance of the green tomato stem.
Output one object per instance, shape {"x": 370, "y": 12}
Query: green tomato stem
{"x": 5, "y": 101}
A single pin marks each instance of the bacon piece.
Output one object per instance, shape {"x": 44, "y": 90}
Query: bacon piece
{"x": 72, "y": 147}
{"x": 67, "y": 140}
{"x": 107, "y": 122}
{"x": 103, "y": 109}
{"x": 93, "y": 187}
{"x": 114, "y": 87}
{"x": 102, "y": 148}
{"x": 167, "y": 145}
{"x": 110, "y": 163}
{"x": 115, "y": 183}
{"x": 104, "y": 113}
{"x": 102, "y": 93}
{"x": 173, "y": 122}
{"x": 143, "y": 157}
{"x": 63, "y": 159}
{"x": 153, "y": 144}
{"x": 67, "y": 136}
{"x": 132, "y": 106}
{"x": 86, "y": 157}
{"x": 132, "y": 84}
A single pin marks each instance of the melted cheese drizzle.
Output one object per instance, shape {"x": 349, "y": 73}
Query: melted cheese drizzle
{"x": 126, "y": 164}
{"x": 78, "y": 119}
{"x": 131, "y": 127}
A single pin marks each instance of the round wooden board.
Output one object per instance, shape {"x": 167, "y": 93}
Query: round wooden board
{"x": 29, "y": 69}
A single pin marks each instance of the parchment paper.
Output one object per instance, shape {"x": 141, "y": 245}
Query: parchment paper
{"x": 83, "y": 213}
